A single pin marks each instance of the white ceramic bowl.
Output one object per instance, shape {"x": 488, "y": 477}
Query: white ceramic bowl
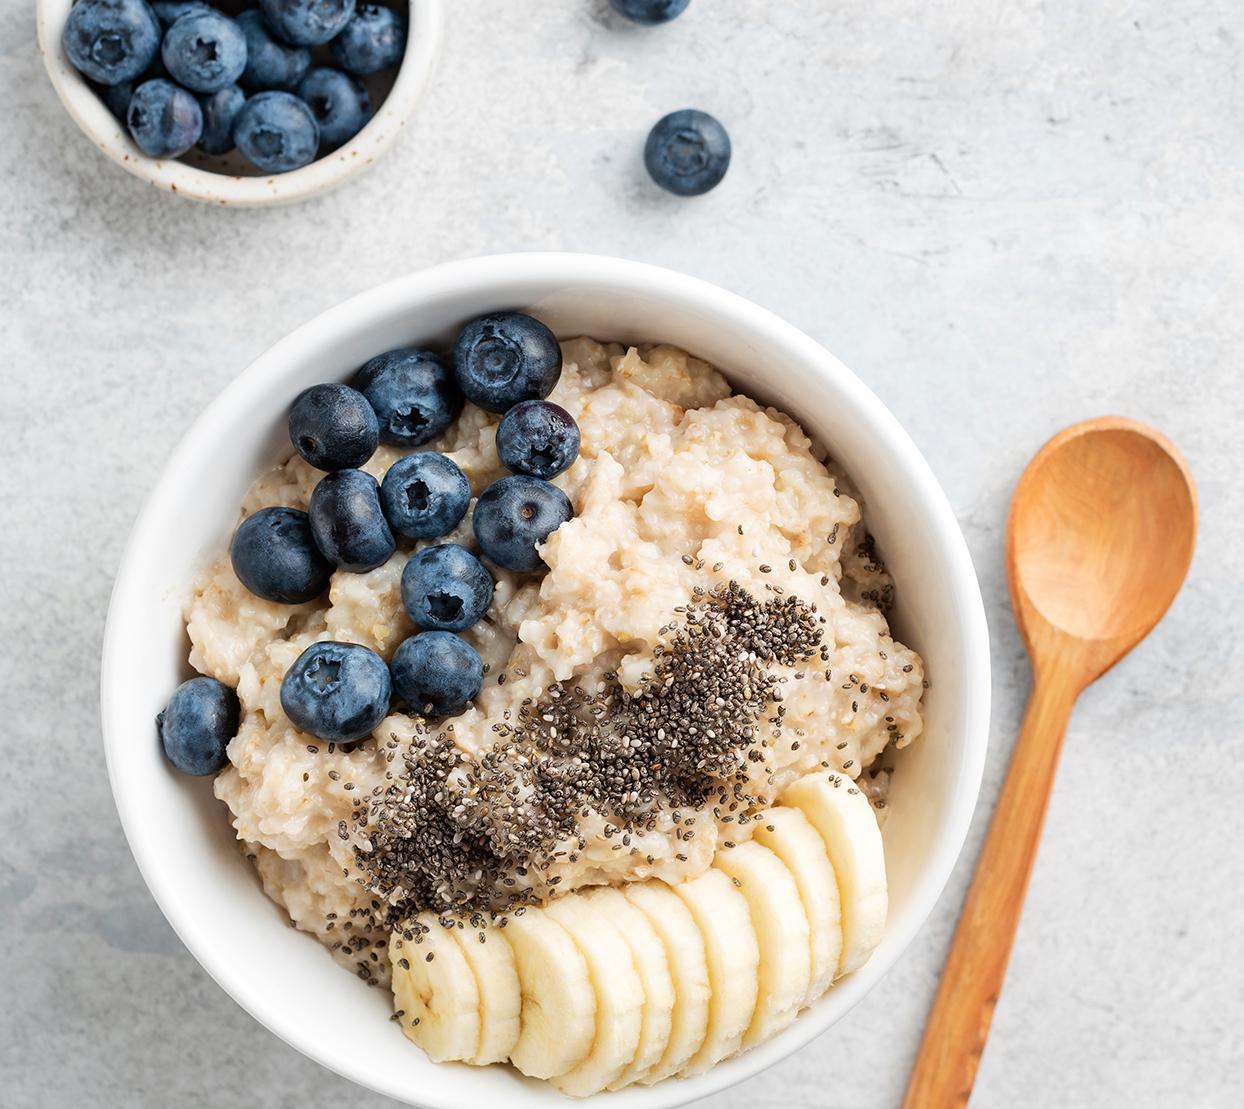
{"x": 181, "y": 837}
{"x": 231, "y": 180}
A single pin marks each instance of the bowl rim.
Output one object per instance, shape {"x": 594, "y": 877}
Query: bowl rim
{"x": 362, "y": 311}
{"x": 97, "y": 123}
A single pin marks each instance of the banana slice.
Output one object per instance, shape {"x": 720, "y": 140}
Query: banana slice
{"x": 557, "y": 1022}
{"x": 619, "y": 995}
{"x": 781, "y": 930}
{"x": 787, "y": 833}
{"x": 651, "y": 963}
{"x": 688, "y": 965}
{"x": 721, "y": 914}
{"x": 491, "y": 959}
{"x": 838, "y": 809}
{"x": 434, "y": 990}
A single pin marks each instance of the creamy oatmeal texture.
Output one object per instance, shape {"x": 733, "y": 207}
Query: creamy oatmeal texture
{"x": 673, "y": 464}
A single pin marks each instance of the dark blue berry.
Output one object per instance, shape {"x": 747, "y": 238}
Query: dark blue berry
{"x": 307, "y": 22}
{"x": 424, "y": 495}
{"x": 339, "y": 103}
{"x": 337, "y": 691}
{"x": 164, "y": 121}
{"x": 117, "y": 97}
{"x": 201, "y": 717}
{"x": 687, "y": 152}
{"x": 220, "y": 111}
{"x": 169, "y": 12}
{"x": 270, "y": 63}
{"x": 650, "y": 12}
{"x": 514, "y": 515}
{"x": 111, "y": 41}
{"x": 333, "y": 427}
{"x": 505, "y": 358}
{"x": 373, "y": 40}
{"x": 347, "y": 522}
{"x": 437, "y": 673}
{"x": 537, "y": 438}
{"x": 274, "y": 555}
{"x": 413, "y": 393}
{"x": 276, "y": 131}
{"x": 204, "y": 51}
{"x": 446, "y": 588}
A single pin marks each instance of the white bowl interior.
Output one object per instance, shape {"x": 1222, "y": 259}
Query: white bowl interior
{"x": 180, "y": 834}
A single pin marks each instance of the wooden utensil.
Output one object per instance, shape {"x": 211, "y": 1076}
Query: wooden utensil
{"x": 1099, "y": 539}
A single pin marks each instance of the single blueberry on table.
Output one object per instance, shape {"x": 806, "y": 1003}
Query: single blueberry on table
{"x": 274, "y": 555}
{"x": 424, "y": 495}
{"x": 337, "y": 691}
{"x": 413, "y": 393}
{"x": 333, "y": 427}
{"x": 220, "y": 111}
{"x": 374, "y": 39}
{"x": 436, "y": 673}
{"x": 650, "y": 12}
{"x": 195, "y": 729}
{"x": 505, "y": 358}
{"x": 204, "y": 51}
{"x": 347, "y": 522}
{"x": 164, "y": 121}
{"x": 514, "y": 515}
{"x": 307, "y": 22}
{"x": 270, "y": 63}
{"x": 277, "y": 132}
{"x": 339, "y": 103}
{"x": 537, "y": 438}
{"x": 111, "y": 41}
{"x": 169, "y": 12}
{"x": 446, "y": 588}
{"x": 687, "y": 152}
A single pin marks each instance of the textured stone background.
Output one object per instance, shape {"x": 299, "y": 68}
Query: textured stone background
{"x": 1004, "y": 214}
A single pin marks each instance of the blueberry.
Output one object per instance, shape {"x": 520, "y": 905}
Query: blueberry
{"x": 204, "y": 51}
{"x": 437, "y": 673}
{"x": 337, "y": 691}
{"x": 274, "y": 555}
{"x": 201, "y": 717}
{"x": 514, "y": 515}
{"x": 169, "y": 12}
{"x": 164, "y": 120}
{"x": 538, "y": 438}
{"x": 220, "y": 111}
{"x": 339, "y": 103}
{"x": 111, "y": 41}
{"x": 117, "y": 97}
{"x": 505, "y": 358}
{"x": 270, "y": 64}
{"x": 650, "y": 12}
{"x": 333, "y": 427}
{"x": 413, "y": 393}
{"x": 687, "y": 152}
{"x": 446, "y": 588}
{"x": 348, "y": 525}
{"x": 276, "y": 131}
{"x": 307, "y": 22}
{"x": 373, "y": 40}
{"x": 424, "y": 495}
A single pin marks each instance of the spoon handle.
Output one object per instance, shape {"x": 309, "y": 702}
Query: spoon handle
{"x": 959, "y": 1024}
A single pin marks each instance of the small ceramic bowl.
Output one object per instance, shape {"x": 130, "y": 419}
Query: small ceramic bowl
{"x": 181, "y": 836}
{"x": 230, "y": 179}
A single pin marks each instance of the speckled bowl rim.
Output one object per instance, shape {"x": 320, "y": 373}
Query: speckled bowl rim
{"x": 93, "y": 118}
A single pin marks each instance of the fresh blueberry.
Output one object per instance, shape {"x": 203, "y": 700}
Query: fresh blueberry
{"x": 201, "y": 717}
{"x": 270, "y": 64}
{"x": 164, "y": 120}
{"x": 204, "y": 51}
{"x": 117, "y": 97}
{"x": 687, "y": 152}
{"x": 437, "y": 673}
{"x": 505, "y": 358}
{"x": 220, "y": 110}
{"x": 333, "y": 427}
{"x": 337, "y": 691}
{"x": 413, "y": 393}
{"x": 339, "y": 103}
{"x": 446, "y": 588}
{"x": 347, "y": 522}
{"x": 274, "y": 555}
{"x": 424, "y": 495}
{"x": 277, "y": 132}
{"x": 373, "y": 40}
{"x": 537, "y": 438}
{"x": 307, "y": 22}
{"x": 169, "y": 12}
{"x": 514, "y": 515}
{"x": 650, "y": 12}
{"x": 111, "y": 40}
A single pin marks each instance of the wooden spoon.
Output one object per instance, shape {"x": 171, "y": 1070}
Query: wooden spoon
{"x": 1098, "y": 542}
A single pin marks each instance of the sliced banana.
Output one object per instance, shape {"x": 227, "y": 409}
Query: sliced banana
{"x": 619, "y": 995}
{"x": 781, "y": 931}
{"x": 722, "y": 916}
{"x": 434, "y": 990}
{"x": 787, "y": 833}
{"x": 491, "y": 959}
{"x": 557, "y": 1023}
{"x": 841, "y": 813}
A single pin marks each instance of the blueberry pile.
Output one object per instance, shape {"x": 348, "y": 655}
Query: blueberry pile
{"x": 279, "y": 82}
